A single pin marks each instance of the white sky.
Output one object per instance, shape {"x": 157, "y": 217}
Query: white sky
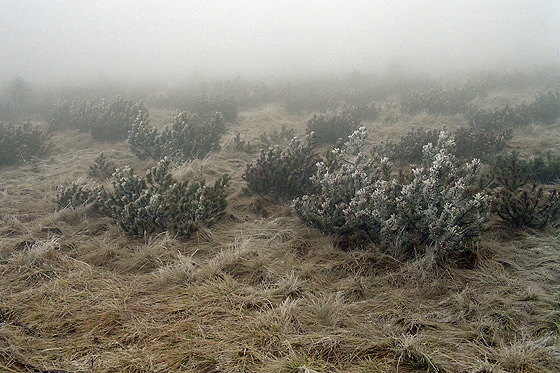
{"x": 83, "y": 40}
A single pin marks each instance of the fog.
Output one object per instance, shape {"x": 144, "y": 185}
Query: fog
{"x": 76, "y": 41}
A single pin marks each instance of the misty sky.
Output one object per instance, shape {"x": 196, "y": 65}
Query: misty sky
{"x": 69, "y": 41}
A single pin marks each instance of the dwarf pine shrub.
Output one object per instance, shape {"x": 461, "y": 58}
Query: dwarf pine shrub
{"x": 105, "y": 120}
{"x": 329, "y": 130}
{"x": 440, "y": 101}
{"x": 206, "y": 107}
{"x": 520, "y": 203}
{"x": 21, "y": 143}
{"x": 537, "y": 168}
{"x": 499, "y": 119}
{"x": 469, "y": 143}
{"x": 76, "y": 195}
{"x": 433, "y": 207}
{"x": 283, "y": 173}
{"x": 154, "y": 203}
{"x": 102, "y": 168}
{"x": 187, "y": 137}
{"x": 546, "y": 106}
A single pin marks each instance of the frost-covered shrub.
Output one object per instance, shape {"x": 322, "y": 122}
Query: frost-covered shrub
{"x": 76, "y": 195}
{"x": 433, "y": 207}
{"x": 329, "y": 130}
{"x": 187, "y": 137}
{"x": 143, "y": 205}
{"x": 105, "y": 120}
{"x": 283, "y": 174}
{"x": 520, "y": 203}
{"x": 21, "y": 143}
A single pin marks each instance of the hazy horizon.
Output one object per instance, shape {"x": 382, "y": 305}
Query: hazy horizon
{"x": 65, "y": 42}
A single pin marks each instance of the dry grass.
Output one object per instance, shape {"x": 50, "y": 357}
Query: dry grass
{"x": 258, "y": 292}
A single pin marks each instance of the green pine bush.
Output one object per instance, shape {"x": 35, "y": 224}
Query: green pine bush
{"x": 329, "y": 130}
{"x": 283, "y": 174}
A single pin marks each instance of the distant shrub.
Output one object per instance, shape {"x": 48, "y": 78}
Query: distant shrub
{"x": 206, "y": 107}
{"x": 283, "y": 174}
{"x": 410, "y": 146}
{"x": 308, "y": 102}
{"x": 21, "y": 143}
{"x": 187, "y": 137}
{"x": 102, "y": 168}
{"x": 441, "y": 102}
{"x": 469, "y": 143}
{"x": 546, "y": 106}
{"x": 154, "y": 203}
{"x": 276, "y": 137}
{"x": 363, "y": 110}
{"x": 504, "y": 118}
{"x": 479, "y": 143}
{"x": 329, "y": 130}
{"x": 520, "y": 205}
{"x": 538, "y": 168}
{"x": 432, "y": 208}
{"x": 105, "y": 121}
{"x": 243, "y": 146}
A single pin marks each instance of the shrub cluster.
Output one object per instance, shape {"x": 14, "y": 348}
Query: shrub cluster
{"x": 283, "y": 174}
{"x": 520, "y": 205}
{"x": 329, "y": 130}
{"x": 546, "y": 106}
{"x": 434, "y": 207}
{"x": 207, "y": 106}
{"x": 505, "y": 118}
{"x": 21, "y": 143}
{"x": 143, "y": 205}
{"x": 187, "y": 137}
{"x": 469, "y": 143}
{"x": 105, "y": 121}
{"x": 363, "y": 110}
{"x": 439, "y": 101}
{"x": 538, "y": 168}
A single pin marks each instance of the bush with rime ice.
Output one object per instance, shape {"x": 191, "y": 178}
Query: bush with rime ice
{"x": 105, "y": 120}
{"x": 187, "y": 137}
{"x": 143, "y": 205}
{"x": 434, "y": 207}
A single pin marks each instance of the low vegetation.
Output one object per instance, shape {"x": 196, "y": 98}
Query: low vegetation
{"x": 20, "y": 143}
{"x": 436, "y": 251}
{"x": 105, "y": 120}
{"x": 187, "y": 137}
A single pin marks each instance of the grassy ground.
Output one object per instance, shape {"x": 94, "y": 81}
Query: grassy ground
{"x": 259, "y": 291}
